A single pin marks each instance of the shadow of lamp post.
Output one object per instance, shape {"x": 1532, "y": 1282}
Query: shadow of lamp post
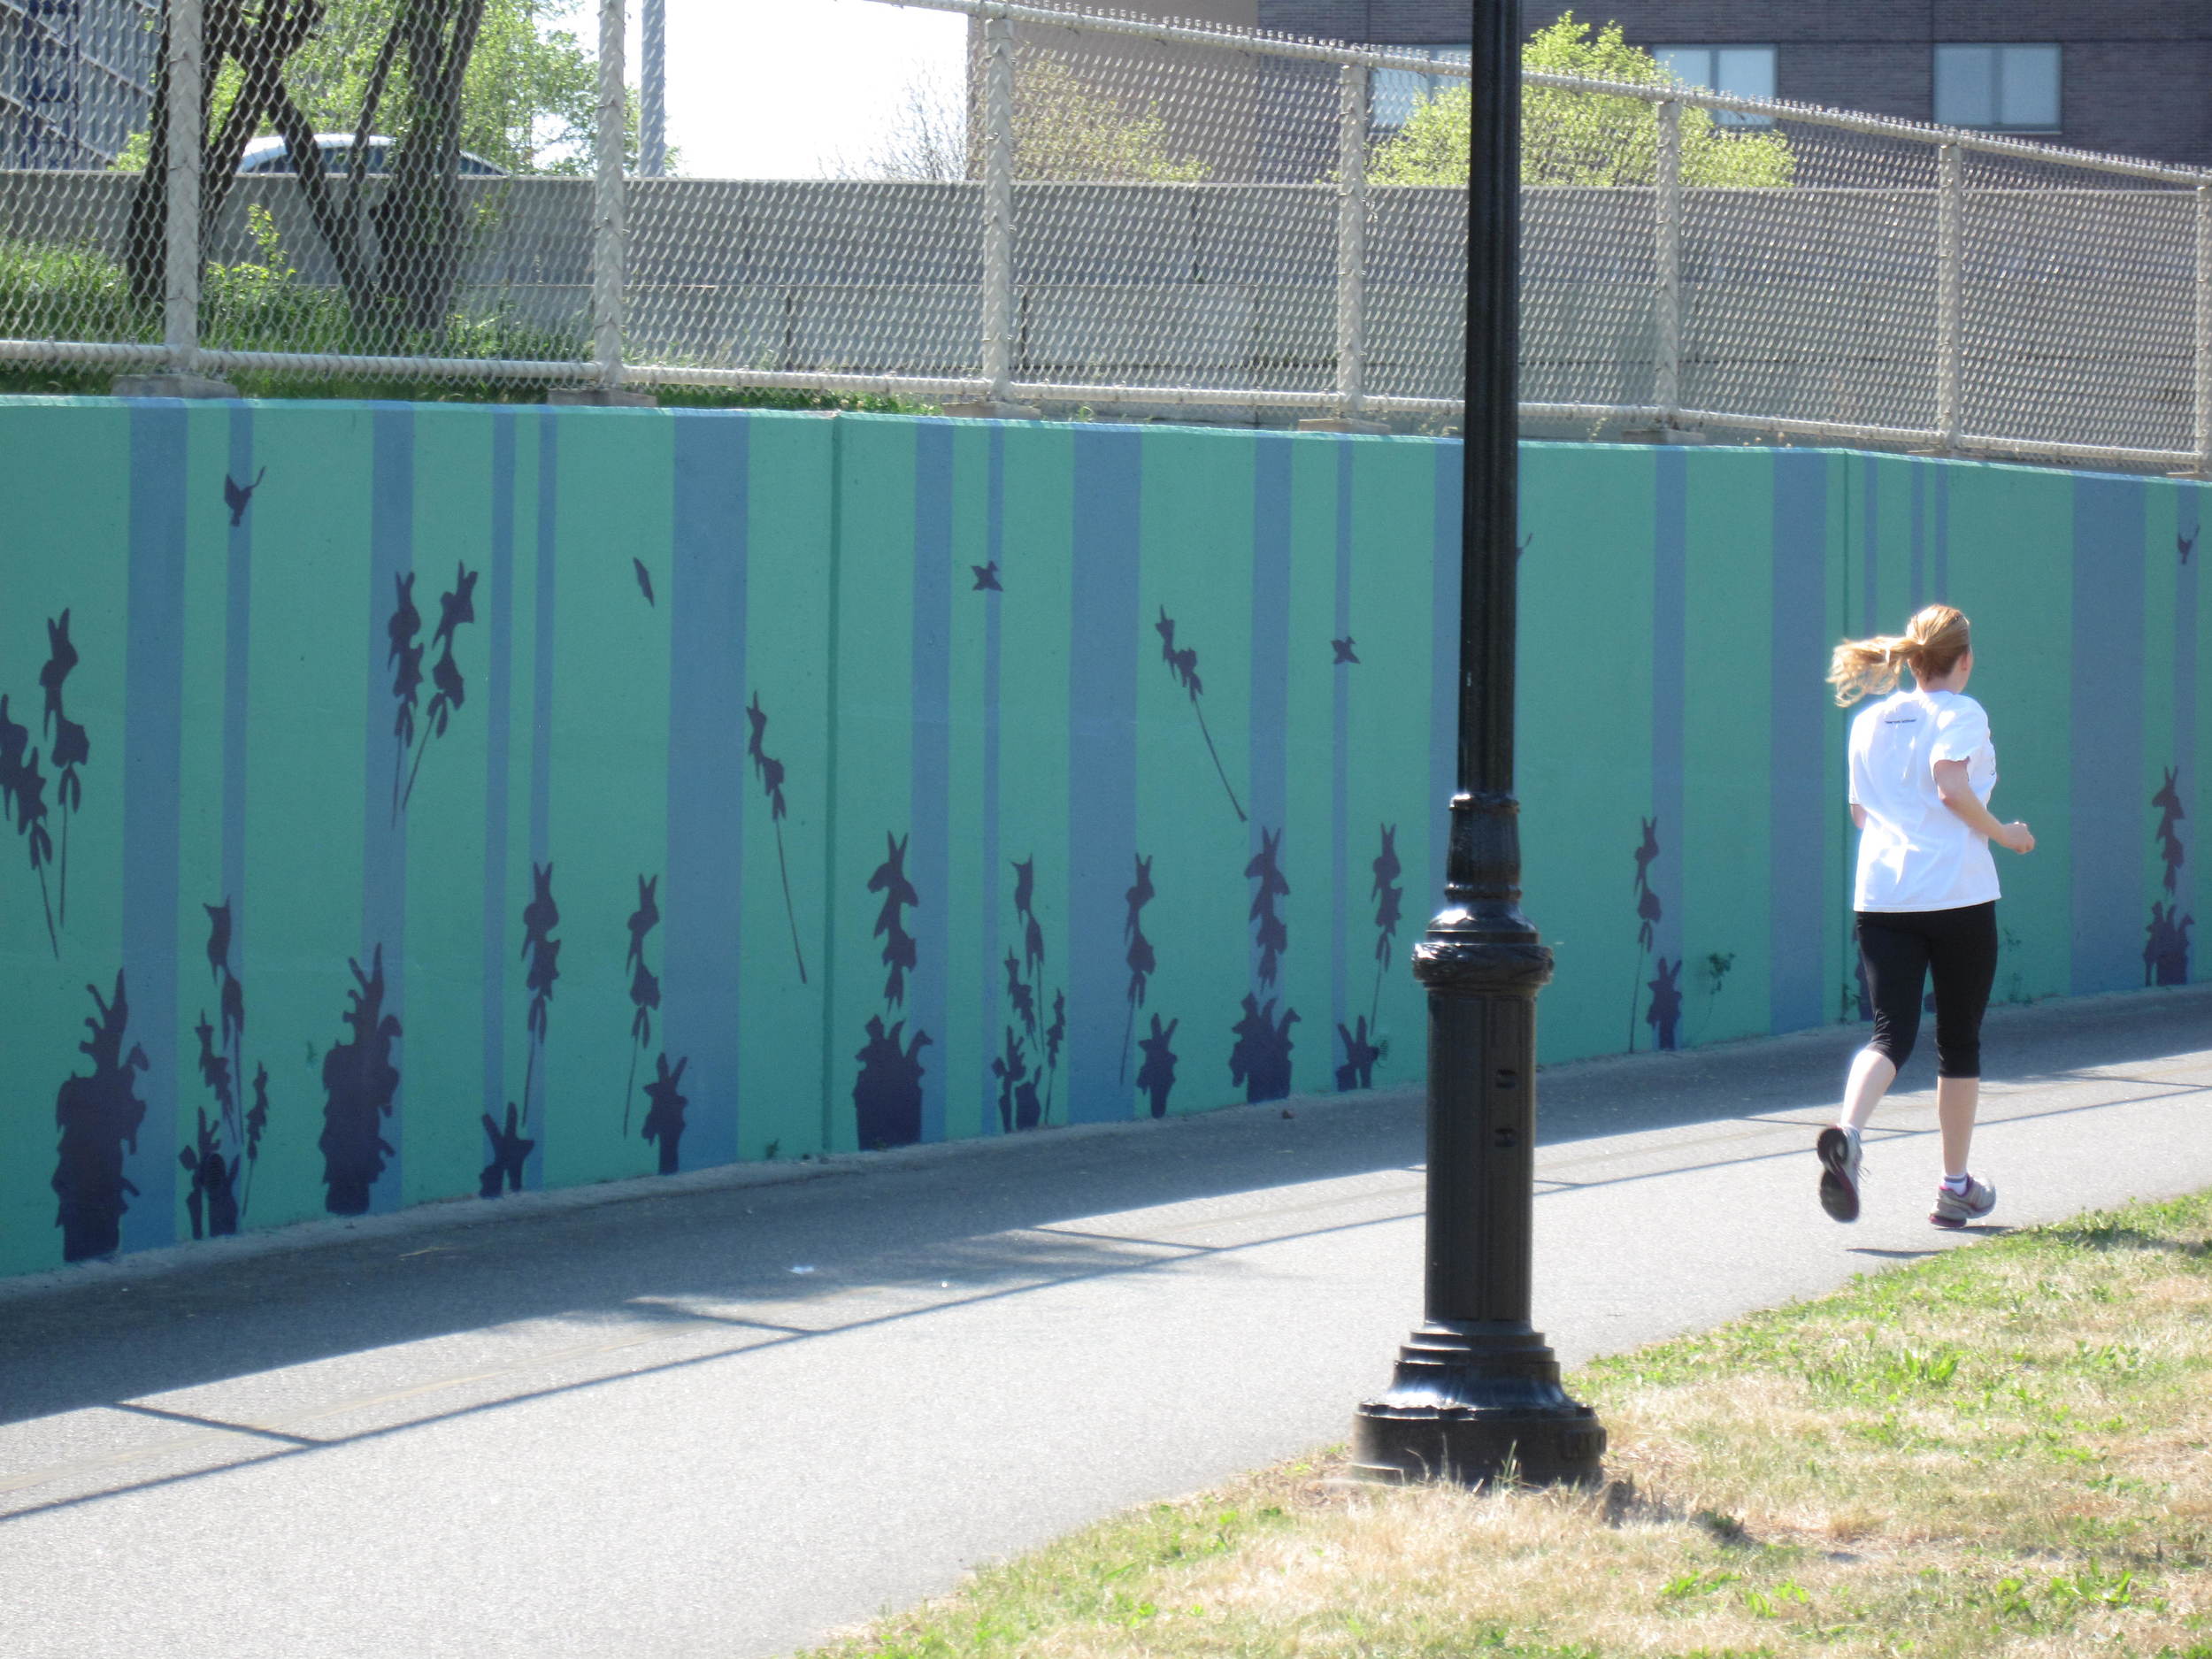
{"x": 1476, "y": 1395}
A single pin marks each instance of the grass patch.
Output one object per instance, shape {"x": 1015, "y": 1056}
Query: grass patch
{"x": 2000, "y": 1450}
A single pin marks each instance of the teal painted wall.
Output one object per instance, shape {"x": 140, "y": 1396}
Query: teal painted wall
{"x": 663, "y": 779}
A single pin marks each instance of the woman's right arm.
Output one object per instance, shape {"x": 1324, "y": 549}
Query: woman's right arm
{"x": 1958, "y": 794}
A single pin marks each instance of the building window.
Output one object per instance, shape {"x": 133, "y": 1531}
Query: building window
{"x": 1742, "y": 71}
{"x": 2002, "y": 88}
{"x": 1395, "y": 93}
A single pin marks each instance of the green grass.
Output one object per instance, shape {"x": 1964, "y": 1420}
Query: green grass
{"x": 2005, "y": 1451}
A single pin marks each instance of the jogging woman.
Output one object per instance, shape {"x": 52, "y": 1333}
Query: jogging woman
{"x": 1922, "y": 769}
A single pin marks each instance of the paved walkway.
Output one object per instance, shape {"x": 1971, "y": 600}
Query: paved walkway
{"x": 721, "y": 1421}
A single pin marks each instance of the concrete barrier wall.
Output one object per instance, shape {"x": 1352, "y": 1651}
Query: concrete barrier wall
{"x": 420, "y": 801}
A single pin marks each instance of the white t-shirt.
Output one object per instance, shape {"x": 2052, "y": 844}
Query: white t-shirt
{"x": 1915, "y": 853}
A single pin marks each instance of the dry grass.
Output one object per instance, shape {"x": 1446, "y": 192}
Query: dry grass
{"x": 2003, "y": 1450}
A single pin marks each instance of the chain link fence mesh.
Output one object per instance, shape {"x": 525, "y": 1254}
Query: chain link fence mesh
{"x": 1094, "y": 210}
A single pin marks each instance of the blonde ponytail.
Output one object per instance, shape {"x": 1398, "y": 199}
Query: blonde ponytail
{"x": 1931, "y": 646}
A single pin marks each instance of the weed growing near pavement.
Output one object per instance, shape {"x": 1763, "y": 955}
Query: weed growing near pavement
{"x": 2006, "y": 1450}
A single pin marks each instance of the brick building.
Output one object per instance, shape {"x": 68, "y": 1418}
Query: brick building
{"x": 2130, "y": 76}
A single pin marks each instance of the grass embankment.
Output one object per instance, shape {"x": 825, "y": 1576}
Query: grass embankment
{"x": 2001, "y": 1451}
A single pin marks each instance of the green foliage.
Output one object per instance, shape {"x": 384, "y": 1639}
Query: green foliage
{"x": 529, "y": 102}
{"x": 49, "y": 292}
{"x": 1066, "y": 129}
{"x": 1580, "y": 138}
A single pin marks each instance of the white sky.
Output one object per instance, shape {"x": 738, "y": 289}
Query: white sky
{"x": 776, "y": 89}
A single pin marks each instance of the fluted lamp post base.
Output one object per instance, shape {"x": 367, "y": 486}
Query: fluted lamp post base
{"x": 1475, "y": 1404}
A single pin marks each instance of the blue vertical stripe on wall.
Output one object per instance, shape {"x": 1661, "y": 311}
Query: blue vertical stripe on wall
{"x": 701, "y": 986}
{"x": 1267, "y": 796}
{"x": 1105, "y": 606}
{"x": 499, "y": 732}
{"x": 2106, "y": 735}
{"x": 1444, "y": 665}
{"x": 542, "y": 645}
{"x": 1340, "y": 743}
{"x": 1670, "y": 686}
{"x": 153, "y": 736}
{"x": 929, "y": 856}
{"x": 2187, "y": 525}
{"x": 1797, "y": 791}
{"x": 995, "y": 553}
{"x": 383, "y": 825}
{"x": 237, "y": 624}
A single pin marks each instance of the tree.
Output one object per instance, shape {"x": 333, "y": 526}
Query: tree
{"x": 1578, "y": 137}
{"x": 1066, "y": 128}
{"x": 436, "y": 76}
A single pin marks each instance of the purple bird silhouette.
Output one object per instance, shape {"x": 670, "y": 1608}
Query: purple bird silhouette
{"x": 987, "y": 579}
{"x": 645, "y": 586}
{"x": 1344, "y": 651}
{"x": 238, "y": 497}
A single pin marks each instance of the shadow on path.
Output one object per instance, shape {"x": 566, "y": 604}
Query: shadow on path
{"x": 968, "y": 1224}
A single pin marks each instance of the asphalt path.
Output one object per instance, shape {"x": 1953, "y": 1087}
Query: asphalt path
{"x": 725, "y": 1415}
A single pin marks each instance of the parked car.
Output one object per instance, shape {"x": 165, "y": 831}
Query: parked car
{"x": 270, "y": 155}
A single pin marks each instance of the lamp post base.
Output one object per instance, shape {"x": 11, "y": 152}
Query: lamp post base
{"x": 1476, "y": 1404}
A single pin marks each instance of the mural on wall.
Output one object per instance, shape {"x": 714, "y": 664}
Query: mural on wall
{"x": 99, "y": 1117}
{"x": 769, "y": 770}
{"x": 645, "y": 986}
{"x": 70, "y": 747}
{"x": 543, "y": 952}
{"x": 1361, "y": 1050}
{"x": 1663, "y": 1011}
{"x": 1142, "y": 960}
{"x": 1182, "y": 662}
{"x": 2166, "y": 953}
{"x": 23, "y": 785}
{"x": 309, "y": 801}
{"x": 1028, "y": 1068}
{"x": 237, "y": 496}
{"x": 1260, "y": 1062}
{"x": 360, "y": 1081}
{"x": 224, "y": 1149}
{"x": 449, "y": 690}
{"x": 510, "y": 1150}
{"x": 887, "y": 1094}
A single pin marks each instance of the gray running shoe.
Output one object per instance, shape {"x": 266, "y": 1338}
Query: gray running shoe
{"x": 1838, "y": 1150}
{"x": 1955, "y": 1210}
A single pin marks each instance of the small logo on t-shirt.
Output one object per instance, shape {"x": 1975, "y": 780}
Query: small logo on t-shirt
{"x": 1901, "y": 720}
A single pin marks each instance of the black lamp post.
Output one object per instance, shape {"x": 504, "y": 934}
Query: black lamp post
{"x": 1477, "y": 1391}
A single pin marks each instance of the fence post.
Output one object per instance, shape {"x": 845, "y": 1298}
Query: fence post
{"x": 999, "y": 295}
{"x": 1950, "y": 230}
{"x": 2203, "y": 433}
{"x": 652, "y": 111}
{"x": 610, "y": 240}
{"x": 1354, "y": 119}
{"x": 1667, "y": 320}
{"x": 179, "y": 374}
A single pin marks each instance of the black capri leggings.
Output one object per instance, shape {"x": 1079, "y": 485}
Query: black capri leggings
{"x": 1898, "y": 947}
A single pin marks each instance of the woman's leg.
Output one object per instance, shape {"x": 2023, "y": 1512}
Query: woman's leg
{"x": 1963, "y": 956}
{"x": 1896, "y": 959}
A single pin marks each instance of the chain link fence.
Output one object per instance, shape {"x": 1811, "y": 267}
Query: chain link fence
{"x": 1107, "y": 212}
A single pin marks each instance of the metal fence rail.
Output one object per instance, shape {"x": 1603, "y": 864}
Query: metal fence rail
{"x": 1137, "y": 216}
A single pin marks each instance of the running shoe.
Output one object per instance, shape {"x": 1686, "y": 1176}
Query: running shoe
{"x": 1838, "y": 1150}
{"x": 1955, "y": 1210}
